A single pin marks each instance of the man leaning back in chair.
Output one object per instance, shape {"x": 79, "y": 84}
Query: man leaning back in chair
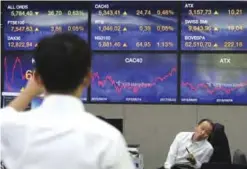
{"x": 191, "y": 149}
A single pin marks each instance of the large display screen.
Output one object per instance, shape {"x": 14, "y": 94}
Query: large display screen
{"x": 142, "y": 52}
{"x": 17, "y": 70}
{"x": 27, "y": 22}
{"x": 214, "y": 25}
{"x": 134, "y": 78}
{"x": 134, "y": 26}
{"x": 214, "y": 78}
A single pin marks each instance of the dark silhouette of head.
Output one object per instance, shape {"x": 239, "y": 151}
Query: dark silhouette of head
{"x": 62, "y": 64}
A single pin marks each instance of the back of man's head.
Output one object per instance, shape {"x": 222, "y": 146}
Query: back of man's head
{"x": 62, "y": 62}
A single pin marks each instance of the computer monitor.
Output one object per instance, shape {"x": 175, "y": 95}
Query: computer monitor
{"x": 117, "y": 123}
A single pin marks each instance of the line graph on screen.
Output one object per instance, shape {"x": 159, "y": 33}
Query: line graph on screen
{"x": 17, "y": 71}
{"x": 149, "y": 78}
{"x": 214, "y": 78}
{"x": 119, "y": 86}
{"x": 211, "y": 89}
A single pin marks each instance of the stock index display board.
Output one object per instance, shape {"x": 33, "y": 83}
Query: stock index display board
{"x": 25, "y": 23}
{"x": 134, "y": 26}
{"x": 214, "y": 25}
{"x": 17, "y": 70}
{"x": 153, "y": 52}
{"x": 214, "y": 78}
{"x": 145, "y": 78}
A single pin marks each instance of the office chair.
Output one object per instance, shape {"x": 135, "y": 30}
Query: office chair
{"x": 239, "y": 158}
{"x": 220, "y": 143}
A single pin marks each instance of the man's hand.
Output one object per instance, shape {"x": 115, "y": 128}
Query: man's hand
{"x": 33, "y": 88}
{"x": 191, "y": 159}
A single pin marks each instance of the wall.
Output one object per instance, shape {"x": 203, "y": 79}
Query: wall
{"x": 155, "y": 126}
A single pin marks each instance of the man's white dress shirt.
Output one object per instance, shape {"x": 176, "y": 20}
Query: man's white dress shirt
{"x": 60, "y": 135}
{"x": 202, "y": 150}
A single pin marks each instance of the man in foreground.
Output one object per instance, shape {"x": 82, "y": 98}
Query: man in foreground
{"x": 60, "y": 134}
{"x": 191, "y": 148}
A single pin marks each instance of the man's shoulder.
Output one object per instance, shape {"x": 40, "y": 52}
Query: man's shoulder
{"x": 7, "y": 111}
{"x": 209, "y": 145}
{"x": 8, "y": 114}
{"x": 10, "y": 117}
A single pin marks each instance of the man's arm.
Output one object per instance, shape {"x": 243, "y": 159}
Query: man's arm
{"x": 20, "y": 103}
{"x": 116, "y": 156}
{"x": 170, "y": 160}
{"x": 6, "y": 114}
{"x": 205, "y": 158}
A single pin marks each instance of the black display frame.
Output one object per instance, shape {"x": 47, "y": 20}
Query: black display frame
{"x": 178, "y": 52}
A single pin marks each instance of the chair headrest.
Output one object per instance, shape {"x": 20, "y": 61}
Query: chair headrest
{"x": 219, "y": 127}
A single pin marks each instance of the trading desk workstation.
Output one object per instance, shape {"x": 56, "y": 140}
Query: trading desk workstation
{"x": 178, "y": 53}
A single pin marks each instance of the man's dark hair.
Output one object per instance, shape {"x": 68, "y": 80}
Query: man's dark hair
{"x": 62, "y": 61}
{"x": 207, "y": 120}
